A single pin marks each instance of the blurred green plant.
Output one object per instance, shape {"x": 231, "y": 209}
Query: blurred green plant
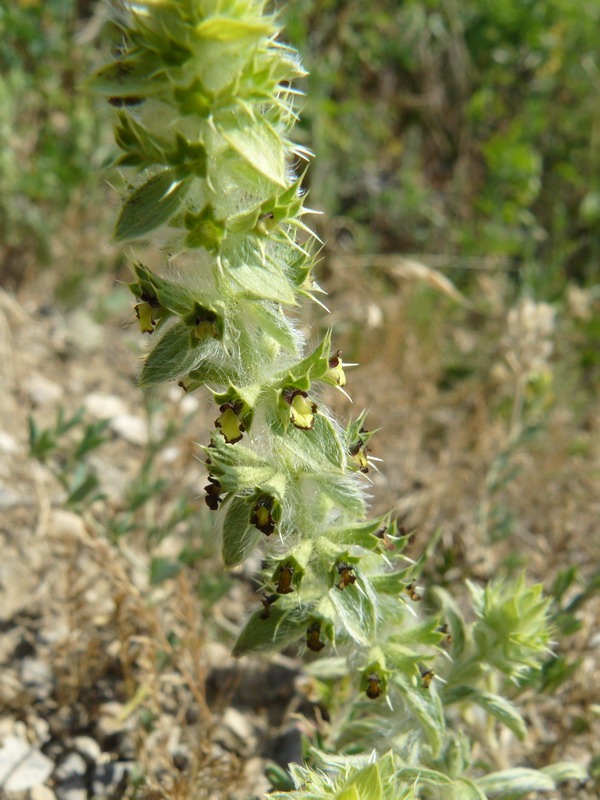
{"x": 49, "y": 134}
{"x": 462, "y": 129}
{"x": 66, "y": 459}
{"x": 152, "y": 505}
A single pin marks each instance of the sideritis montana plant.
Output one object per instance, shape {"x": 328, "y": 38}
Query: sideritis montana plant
{"x": 204, "y": 111}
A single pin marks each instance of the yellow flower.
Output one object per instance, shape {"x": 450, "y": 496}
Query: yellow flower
{"x": 230, "y": 423}
{"x": 302, "y": 410}
{"x": 335, "y": 374}
{"x": 143, "y": 312}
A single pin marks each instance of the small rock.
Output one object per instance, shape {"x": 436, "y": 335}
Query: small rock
{"x": 84, "y": 334}
{"x": 72, "y": 765}
{"x": 104, "y": 406}
{"x": 254, "y": 773}
{"x": 8, "y": 498}
{"x": 70, "y": 778}
{"x": 88, "y": 748}
{"x": 107, "y": 777}
{"x": 22, "y": 766}
{"x": 109, "y": 721}
{"x": 42, "y": 391}
{"x": 235, "y": 732}
{"x": 131, "y": 428}
{"x": 217, "y": 654}
{"x": 65, "y": 523}
{"x": 41, "y": 793}
{"x": 8, "y": 444}
{"x": 170, "y": 454}
{"x": 37, "y": 676}
{"x": 189, "y": 404}
{"x": 40, "y": 729}
{"x": 73, "y": 789}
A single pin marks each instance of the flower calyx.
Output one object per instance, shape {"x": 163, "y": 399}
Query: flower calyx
{"x": 204, "y": 230}
{"x": 149, "y": 311}
{"x": 374, "y": 680}
{"x": 358, "y": 437}
{"x": 313, "y": 637}
{"x": 427, "y": 675}
{"x": 284, "y": 576}
{"x": 346, "y": 575}
{"x": 203, "y": 322}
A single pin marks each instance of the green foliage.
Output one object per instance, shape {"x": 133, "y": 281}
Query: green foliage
{"x": 464, "y": 104}
{"x": 49, "y": 138}
{"x": 68, "y": 461}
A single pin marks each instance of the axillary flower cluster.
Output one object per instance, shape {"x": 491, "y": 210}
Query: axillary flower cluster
{"x": 204, "y": 103}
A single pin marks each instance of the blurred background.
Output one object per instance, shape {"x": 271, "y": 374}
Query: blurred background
{"x": 458, "y": 172}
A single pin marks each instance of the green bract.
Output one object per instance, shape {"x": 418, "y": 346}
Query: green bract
{"x": 204, "y": 116}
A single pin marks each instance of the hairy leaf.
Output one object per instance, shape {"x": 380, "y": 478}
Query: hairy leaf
{"x": 282, "y": 627}
{"x": 503, "y": 710}
{"x": 150, "y": 205}
{"x": 173, "y": 357}
{"x": 239, "y": 536}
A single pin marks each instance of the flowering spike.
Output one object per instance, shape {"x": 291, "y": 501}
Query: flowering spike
{"x": 204, "y": 110}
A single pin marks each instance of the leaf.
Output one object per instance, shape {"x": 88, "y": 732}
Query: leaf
{"x": 368, "y": 783}
{"x": 426, "y": 706}
{"x": 361, "y": 534}
{"x": 350, "y": 793}
{"x": 503, "y": 710}
{"x": 238, "y": 467}
{"x": 258, "y": 144}
{"x": 565, "y": 771}
{"x": 344, "y": 492}
{"x": 392, "y": 583}
{"x": 124, "y": 77}
{"x": 150, "y": 205}
{"x": 264, "y": 284}
{"x": 163, "y": 568}
{"x": 173, "y": 356}
{"x": 317, "y": 448}
{"x": 314, "y": 365}
{"x": 454, "y": 694}
{"x": 273, "y": 323}
{"x": 430, "y": 777}
{"x": 516, "y": 782}
{"x": 81, "y": 484}
{"x": 230, "y": 29}
{"x": 239, "y": 537}
{"x": 176, "y": 298}
{"x": 332, "y": 668}
{"x": 356, "y": 609}
{"x": 282, "y": 627}
{"x": 208, "y": 372}
{"x": 473, "y": 792}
